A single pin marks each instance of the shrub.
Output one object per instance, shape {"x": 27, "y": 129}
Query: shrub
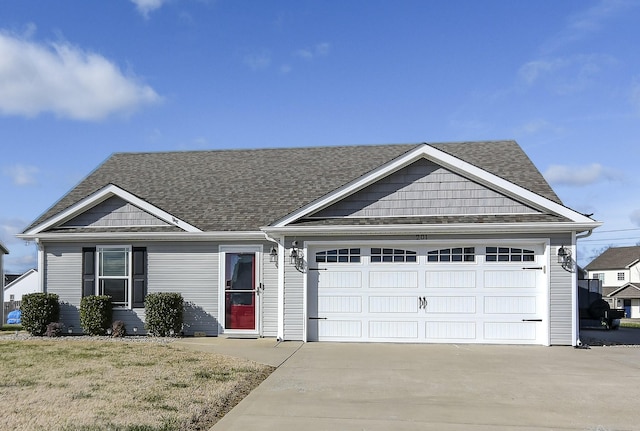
{"x": 118, "y": 329}
{"x": 38, "y": 310}
{"x": 164, "y": 312}
{"x": 54, "y": 329}
{"x": 95, "y": 314}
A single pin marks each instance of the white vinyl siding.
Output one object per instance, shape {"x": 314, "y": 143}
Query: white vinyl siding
{"x": 269, "y": 295}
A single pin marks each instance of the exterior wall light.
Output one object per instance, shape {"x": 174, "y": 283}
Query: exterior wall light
{"x": 565, "y": 259}
{"x": 273, "y": 255}
{"x": 296, "y": 258}
{"x": 70, "y": 330}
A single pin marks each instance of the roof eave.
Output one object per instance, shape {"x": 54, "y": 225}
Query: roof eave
{"x": 145, "y": 236}
{"x": 462, "y": 228}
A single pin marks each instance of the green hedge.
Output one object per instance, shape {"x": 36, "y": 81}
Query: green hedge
{"x": 95, "y": 314}
{"x": 164, "y": 313}
{"x": 38, "y": 310}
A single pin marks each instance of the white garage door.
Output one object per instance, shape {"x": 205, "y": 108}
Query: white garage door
{"x": 449, "y": 294}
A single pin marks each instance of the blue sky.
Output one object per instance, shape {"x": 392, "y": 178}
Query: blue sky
{"x": 81, "y": 80}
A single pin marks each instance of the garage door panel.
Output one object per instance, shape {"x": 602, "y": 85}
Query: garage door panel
{"x": 393, "y": 279}
{"x": 450, "y": 279}
{"x": 421, "y": 300}
{"x": 510, "y": 305}
{"x": 393, "y": 329}
{"x": 339, "y": 329}
{"x": 447, "y": 330}
{"x": 339, "y": 304}
{"x": 393, "y": 304}
{"x": 340, "y": 280}
{"x": 510, "y": 331}
{"x": 450, "y": 304}
{"x": 510, "y": 279}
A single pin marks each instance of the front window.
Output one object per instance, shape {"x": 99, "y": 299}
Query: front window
{"x": 114, "y": 273}
{"x": 621, "y": 276}
{"x": 598, "y": 276}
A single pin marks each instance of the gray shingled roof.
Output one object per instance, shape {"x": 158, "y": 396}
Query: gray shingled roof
{"x": 235, "y": 190}
{"x": 615, "y": 258}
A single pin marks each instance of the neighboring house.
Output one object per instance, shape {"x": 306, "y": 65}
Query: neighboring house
{"x": 3, "y": 251}
{"x": 619, "y": 270}
{"x": 452, "y": 243}
{"x": 20, "y": 285}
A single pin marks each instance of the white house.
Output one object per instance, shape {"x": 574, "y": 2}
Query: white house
{"x": 436, "y": 243}
{"x": 619, "y": 270}
{"x": 28, "y": 282}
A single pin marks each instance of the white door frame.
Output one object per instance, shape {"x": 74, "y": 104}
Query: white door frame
{"x": 222, "y": 251}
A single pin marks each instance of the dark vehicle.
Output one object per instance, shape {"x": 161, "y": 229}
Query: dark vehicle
{"x": 593, "y": 309}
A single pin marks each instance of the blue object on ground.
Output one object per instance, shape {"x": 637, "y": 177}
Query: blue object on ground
{"x": 14, "y": 317}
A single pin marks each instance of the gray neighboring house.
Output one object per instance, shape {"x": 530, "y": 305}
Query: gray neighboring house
{"x": 3, "y": 251}
{"x": 435, "y": 243}
{"x": 618, "y": 268}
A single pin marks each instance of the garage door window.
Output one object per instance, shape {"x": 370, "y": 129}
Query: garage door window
{"x": 342, "y": 255}
{"x": 457, "y": 254}
{"x": 508, "y": 254}
{"x": 379, "y": 255}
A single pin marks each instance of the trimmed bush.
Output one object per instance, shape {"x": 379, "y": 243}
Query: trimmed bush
{"x": 38, "y": 310}
{"x": 95, "y": 314}
{"x": 164, "y": 313}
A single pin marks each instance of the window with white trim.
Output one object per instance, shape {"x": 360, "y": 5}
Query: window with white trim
{"x": 598, "y": 276}
{"x": 379, "y": 255}
{"x": 114, "y": 273}
{"x": 341, "y": 255}
{"x": 621, "y": 276}
{"x": 509, "y": 254}
{"x": 456, "y": 254}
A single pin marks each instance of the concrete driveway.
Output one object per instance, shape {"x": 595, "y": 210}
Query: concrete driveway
{"x": 332, "y": 386}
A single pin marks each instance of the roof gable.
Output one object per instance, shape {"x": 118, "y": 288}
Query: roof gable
{"x": 449, "y": 162}
{"x": 628, "y": 291}
{"x": 91, "y": 204}
{"x": 423, "y": 188}
{"x": 615, "y": 258}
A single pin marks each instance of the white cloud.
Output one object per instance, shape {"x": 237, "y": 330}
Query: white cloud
{"x": 64, "y": 80}
{"x": 580, "y": 175}
{"x": 21, "y": 175}
{"x": 145, "y": 7}
{"x": 285, "y": 68}
{"x": 258, "y": 60}
{"x": 319, "y": 50}
{"x": 588, "y": 22}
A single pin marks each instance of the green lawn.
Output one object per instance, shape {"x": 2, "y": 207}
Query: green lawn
{"x": 77, "y": 384}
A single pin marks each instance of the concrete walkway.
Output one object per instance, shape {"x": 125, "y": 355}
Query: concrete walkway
{"x": 350, "y": 386}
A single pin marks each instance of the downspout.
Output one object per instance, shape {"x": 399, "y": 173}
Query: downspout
{"x": 40, "y": 247}
{"x": 576, "y": 308}
{"x": 280, "y": 266}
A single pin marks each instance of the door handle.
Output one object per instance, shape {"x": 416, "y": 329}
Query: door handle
{"x": 422, "y": 302}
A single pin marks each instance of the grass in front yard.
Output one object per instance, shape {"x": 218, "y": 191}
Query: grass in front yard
{"x": 10, "y": 328}
{"x": 73, "y": 385}
{"x": 630, "y": 324}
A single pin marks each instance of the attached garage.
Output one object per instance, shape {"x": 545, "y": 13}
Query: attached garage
{"x": 488, "y": 292}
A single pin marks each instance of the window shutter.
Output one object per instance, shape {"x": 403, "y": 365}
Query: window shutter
{"x": 88, "y": 271}
{"x": 139, "y": 276}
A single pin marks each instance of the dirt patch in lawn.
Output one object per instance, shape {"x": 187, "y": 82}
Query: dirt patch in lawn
{"x": 130, "y": 386}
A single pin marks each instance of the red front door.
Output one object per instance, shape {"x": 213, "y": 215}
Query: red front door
{"x": 240, "y": 291}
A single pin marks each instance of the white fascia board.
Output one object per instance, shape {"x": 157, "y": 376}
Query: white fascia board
{"x": 147, "y": 236}
{"x": 448, "y": 161}
{"x": 632, "y": 263}
{"x": 102, "y": 195}
{"x": 461, "y": 228}
{"x": 3, "y": 249}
